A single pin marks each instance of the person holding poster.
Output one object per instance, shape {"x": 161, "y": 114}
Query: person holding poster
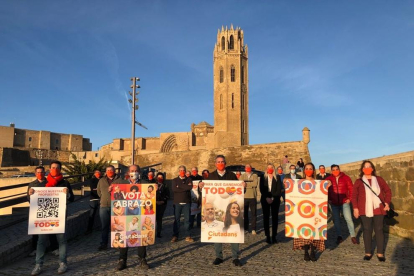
{"x": 104, "y": 194}
{"x": 134, "y": 179}
{"x": 250, "y": 197}
{"x": 163, "y": 194}
{"x": 271, "y": 190}
{"x": 54, "y": 179}
{"x": 233, "y": 218}
{"x": 306, "y": 244}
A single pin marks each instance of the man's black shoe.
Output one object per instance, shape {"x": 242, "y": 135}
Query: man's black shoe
{"x": 274, "y": 240}
{"x": 217, "y": 261}
{"x": 121, "y": 265}
{"x": 237, "y": 262}
{"x": 339, "y": 240}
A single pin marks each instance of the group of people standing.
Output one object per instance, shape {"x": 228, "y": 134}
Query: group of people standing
{"x": 343, "y": 196}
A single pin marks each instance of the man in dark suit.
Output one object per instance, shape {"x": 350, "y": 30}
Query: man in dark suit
{"x": 322, "y": 174}
{"x": 271, "y": 190}
{"x": 292, "y": 173}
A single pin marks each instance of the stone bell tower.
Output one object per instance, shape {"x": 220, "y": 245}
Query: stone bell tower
{"x": 231, "y": 93}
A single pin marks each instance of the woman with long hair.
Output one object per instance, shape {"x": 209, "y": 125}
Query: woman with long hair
{"x": 233, "y": 219}
{"x": 306, "y": 244}
{"x": 271, "y": 190}
{"x": 369, "y": 208}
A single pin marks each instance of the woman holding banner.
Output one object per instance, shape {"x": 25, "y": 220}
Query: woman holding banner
{"x": 306, "y": 244}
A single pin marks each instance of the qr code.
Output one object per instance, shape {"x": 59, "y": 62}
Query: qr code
{"x": 48, "y": 208}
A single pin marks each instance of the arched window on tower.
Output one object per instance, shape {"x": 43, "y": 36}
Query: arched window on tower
{"x": 223, "y": 43}
{"x": 233, "y": 74}
{"x": 221, "y": 101}
{"x": 221, "y": 75}
{"x": 231, "y": 46}
{"x": 232, "y": 100}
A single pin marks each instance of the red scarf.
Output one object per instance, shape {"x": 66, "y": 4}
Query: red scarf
{"x": 52, "y": 181}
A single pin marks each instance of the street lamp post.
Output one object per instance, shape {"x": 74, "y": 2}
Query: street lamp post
{"x": 134, "y": 93}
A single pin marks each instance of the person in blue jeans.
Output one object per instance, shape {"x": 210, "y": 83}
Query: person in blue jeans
{"x": 222, "y": 174}
{"x": 54, "y": 179}
{"x": 339, "y": 198}
{"x": 181, "y": 187}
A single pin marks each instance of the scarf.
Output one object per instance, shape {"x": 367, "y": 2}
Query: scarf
{"x": 371, "y": 201}
{"x": 52, "y": 181}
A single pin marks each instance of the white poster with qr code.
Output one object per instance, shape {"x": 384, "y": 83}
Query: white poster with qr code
{"x": 47, "y": 211}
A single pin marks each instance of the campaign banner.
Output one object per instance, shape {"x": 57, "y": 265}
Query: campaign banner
{"x": 222, "y": 212}
{"x": 195, "y": 207}
{"x": 47, "y": 214}
{"x": 306, "y": 209}
{"x": 133, "y": 215}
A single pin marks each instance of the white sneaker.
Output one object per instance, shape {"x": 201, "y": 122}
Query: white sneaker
{"x": 62, "y": 268}
{"x": 253, "y": 232}
{"x": 55, "y": 252}
{"x": 36, "y": 270}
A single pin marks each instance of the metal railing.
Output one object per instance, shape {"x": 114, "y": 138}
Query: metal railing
{"x": 22, "y": 197}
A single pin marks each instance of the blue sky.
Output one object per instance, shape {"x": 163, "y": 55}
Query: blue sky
{"x": 344, "y": 69}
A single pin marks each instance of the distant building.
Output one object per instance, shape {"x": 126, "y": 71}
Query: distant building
{"x": 12, "y": 137}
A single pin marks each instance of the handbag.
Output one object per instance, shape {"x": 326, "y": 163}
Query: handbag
{"x": 390, "y": 213}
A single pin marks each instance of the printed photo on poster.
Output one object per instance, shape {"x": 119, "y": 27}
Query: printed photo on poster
{"x": 47, "y": 214}
{"x": 222, "y": 212}
{"x": 133, "y": 215}
{"x": 306, "y": 208}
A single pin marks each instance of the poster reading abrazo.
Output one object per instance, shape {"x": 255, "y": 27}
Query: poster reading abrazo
{"x": 132, "y": 215}
{"x": 306, "y": 209}
{"x": 222, "y": 212}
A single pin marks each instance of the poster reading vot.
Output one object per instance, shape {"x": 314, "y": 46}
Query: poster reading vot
{"x": 306, "y": 209}
{"x": 132, "y": 215}
{"x": 47, "y": 211}
{"x": 222, "y": 212}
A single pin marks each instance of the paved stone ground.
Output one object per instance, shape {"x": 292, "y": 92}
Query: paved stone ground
{"x": 184, "y": 258}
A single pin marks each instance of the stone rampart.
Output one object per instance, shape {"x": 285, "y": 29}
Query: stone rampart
{"x": 398, "y": 171}
{"x": 257, "y": 155}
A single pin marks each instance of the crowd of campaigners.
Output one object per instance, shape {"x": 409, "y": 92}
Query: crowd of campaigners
{"x": 344, "y": 197}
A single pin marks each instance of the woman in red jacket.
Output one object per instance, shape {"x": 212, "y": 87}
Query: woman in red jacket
{"x": 369, "y": 207}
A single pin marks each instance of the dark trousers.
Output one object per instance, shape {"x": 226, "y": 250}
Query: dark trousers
{"x": 178, "y": 210}
{"x": 142, "y": 253}
{"x": 252, "y": 204}
{"x": 159, "y": 215}
{"x": 93, "y": 209}
{"x": 193, "y": 218}
{"x": 375, "y": 223}
{"x": 274, "y": 209}
{"x": 105, "y": 215}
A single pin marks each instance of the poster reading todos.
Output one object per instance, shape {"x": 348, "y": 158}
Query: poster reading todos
{"x": 306, "y": 209}
{"x": 47, "y": 211}
{"x": 222, "y": 212}
{"x": 132, "y": 215}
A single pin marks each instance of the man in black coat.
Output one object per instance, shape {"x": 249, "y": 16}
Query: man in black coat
{"x": 322, "y": 174}
{"x": 93, "y": 200}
